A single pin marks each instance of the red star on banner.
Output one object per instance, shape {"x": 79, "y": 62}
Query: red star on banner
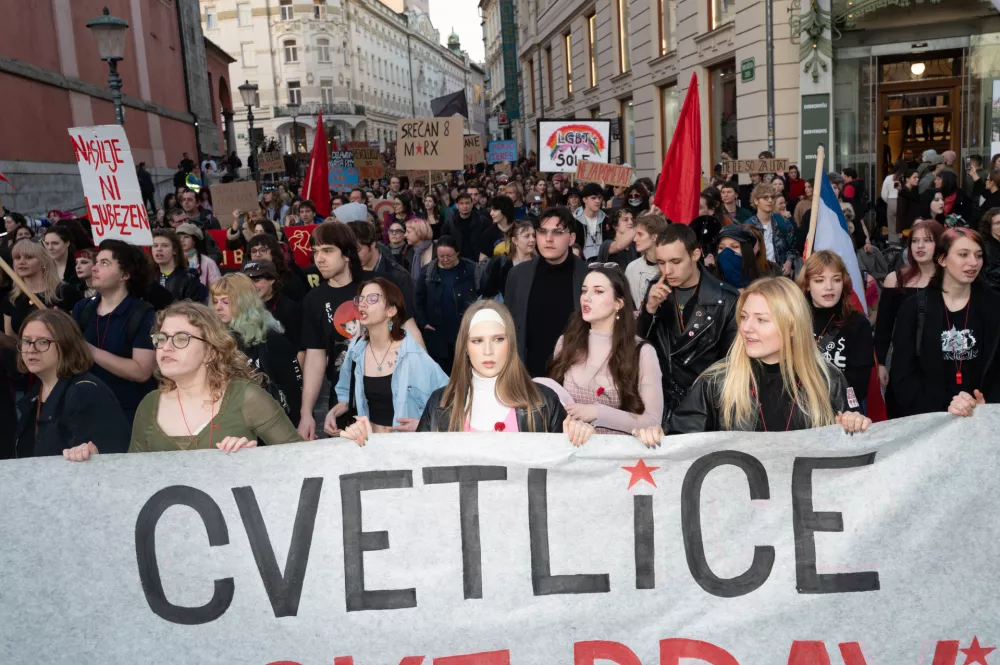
{"x": 976, "y": 653}
{"x": 640, "y": 472}
{"x": 420, "y": 149}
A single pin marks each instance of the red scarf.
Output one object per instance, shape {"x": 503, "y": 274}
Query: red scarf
{"x": 949, "y": 203}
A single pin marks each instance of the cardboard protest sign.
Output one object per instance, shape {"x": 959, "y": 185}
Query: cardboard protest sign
{"x": 502, "y": 151}
{"x": 368, "y": 161}
{"x": 473, "y": 153}
{"x": 357, "y": 145}
{"x": 271, "y": 162}
{"x": 230, "y": 196}
{"x": 110, "y": 185}
{"x": 491, "y": 548}
{"x": 341, "y": 158}
{"x": 563, "y": 144}
{"x": 606, "y": 174}
{"x": 342, "y": 179}
{"x": 754, "y": 165}
{"x": 426, "y": 144}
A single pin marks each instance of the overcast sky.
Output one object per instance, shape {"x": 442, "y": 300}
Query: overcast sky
{"x": 463, "y": 16}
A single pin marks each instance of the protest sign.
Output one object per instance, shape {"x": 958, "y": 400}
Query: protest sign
{"x": 341, "y": 158}
{"x": 230, "y": 196}
{"x": 606, "y": 174}
{"x": 298, "y": 241}
{"x": 473, "y": 153}
{"x": 343, "y": 178}
{"x": 110, "y": 185}
{"x": 754, "y": 165}
{"x": 502, "y": 151}
{"x": 232, "y": 259}
{"x": 515, "y": 549}
{"x": 357, "y": 145}
{"x": 426, "y": 144}
{"x": 368, "y": 161}
{"x": 271, "y": 162}
{"x": 563, "y": 144}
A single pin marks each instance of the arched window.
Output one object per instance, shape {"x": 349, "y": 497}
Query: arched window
{"x": 291, "y": 51}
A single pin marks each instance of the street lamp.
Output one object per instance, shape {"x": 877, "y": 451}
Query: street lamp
{"x": 109, "y": 31}
{"x": 294, "y": 108}
{"x": 248, "y": 93}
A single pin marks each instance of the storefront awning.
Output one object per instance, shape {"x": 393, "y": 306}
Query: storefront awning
{"x": 849, "y": 12}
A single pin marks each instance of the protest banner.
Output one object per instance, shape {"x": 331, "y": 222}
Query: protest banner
{"x": 298, "y": 241}
{"x": 606, "y": 174}
{"x": 357, "y": 145}
{"x": 563, "y": 144}
{"x": 271, "y": 162}
{"x": 343, "y": 178}
{"x": 473, "y": 153}
{"x": 368, "y": 161}
{"x": 232, "y": 259}
{"x": 341, "y": 158}
{"x": 427, "y": 144}
{"x": 799, "y": 548}
{"x": 110, "y": 185}
{"x": 502, "y": 151}
{"x": 230, "y": 196}
{"x": 755, "y": 165}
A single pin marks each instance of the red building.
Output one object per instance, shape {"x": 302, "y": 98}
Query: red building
{"x": 175, "y": 87}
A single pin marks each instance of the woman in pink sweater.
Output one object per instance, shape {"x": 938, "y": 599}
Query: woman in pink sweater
{"x": 612, "y": 376}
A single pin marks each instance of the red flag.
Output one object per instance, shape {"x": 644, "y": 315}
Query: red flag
{"x": 680, "y": 185}
{"x": 317, "y": 188}
{"x": 4, "y": 178}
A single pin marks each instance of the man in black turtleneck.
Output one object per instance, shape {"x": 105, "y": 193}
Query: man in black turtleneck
{"x": 543, "y": 293}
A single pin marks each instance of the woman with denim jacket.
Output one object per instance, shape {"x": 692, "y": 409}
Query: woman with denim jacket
{"x": 387, "y": 373}
{"x": 779, "y": 233}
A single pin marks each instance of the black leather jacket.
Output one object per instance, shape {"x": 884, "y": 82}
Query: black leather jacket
{"x": 701, "y": 410}
{"x": 435, "y": 418}
{"x": 709, "y": 330}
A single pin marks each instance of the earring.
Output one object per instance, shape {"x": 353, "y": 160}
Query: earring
{"x": 390, "y": 326}
{"x": 618, "y": 315}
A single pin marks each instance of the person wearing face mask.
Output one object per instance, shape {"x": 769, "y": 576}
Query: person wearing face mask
{"x": 447, "y": 288}
{"x": 637, "y": 200}
{"x": 208, "y": 395}
{"x": 771, "y": 380}
{"x": 490, "y": 390}
{"x": 520, "y": 243}
{"x": 387, "y": 375}
{"x": 535, "y": 203}
{"x": 735, "y": 261}
{"x": 612, "y": 376}
{"x": 843, "y": 334}
{"x": 260, "y": 337}
{"x": 946, "y": 336}
{"x": 779, "y": 235}
{"x": 688, "y": 315}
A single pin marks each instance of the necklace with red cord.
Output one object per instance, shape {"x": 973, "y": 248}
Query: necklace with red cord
{"x": 760, "y": 410}
{"x": 211, "y": 424}
{"x": 954, "y": 342}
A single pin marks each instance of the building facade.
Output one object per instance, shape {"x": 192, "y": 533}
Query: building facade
{"x": 496, "y": 97}
{"x": 361, "y": 63}
{"x": 837, "y": 77}
{"x": 175, "y": 91}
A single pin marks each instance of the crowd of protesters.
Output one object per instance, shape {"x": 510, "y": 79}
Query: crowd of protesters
{"x": 515, "y": 302}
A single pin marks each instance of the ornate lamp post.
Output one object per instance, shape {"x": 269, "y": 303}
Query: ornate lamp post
{"x": 248, "y": 93}
{"x": 109, "y": 31}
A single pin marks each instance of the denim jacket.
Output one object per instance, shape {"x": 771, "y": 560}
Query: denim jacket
{"x": 416, "y": 376}
{"x": 783, "y": 233}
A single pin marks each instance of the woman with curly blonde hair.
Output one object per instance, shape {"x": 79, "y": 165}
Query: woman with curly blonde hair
{"x": 208, "y": 397}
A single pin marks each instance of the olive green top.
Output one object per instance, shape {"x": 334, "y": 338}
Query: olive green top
{"x": 246, "y": 410}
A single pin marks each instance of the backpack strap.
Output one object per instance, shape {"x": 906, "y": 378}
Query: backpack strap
{"x": 86, "y": 314}
{"x": 921, "y": 316}
{"x": 135, "y": 319}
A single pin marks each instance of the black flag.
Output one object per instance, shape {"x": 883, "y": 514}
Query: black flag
{"x": 449, "y": 105}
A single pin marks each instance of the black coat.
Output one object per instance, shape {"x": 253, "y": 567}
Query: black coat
{"x": 709, "y": 330}
{"x": 549, "y": 419}
{"x": 518, "y": 292}
{"x": 184, "y": 284}
{"x": 701, "y": 410}
{"x": 80, "y": 409}
{"x": 991, "y": 261}
{"x": 478, "y": 224}
{"x": 429, "y": 296}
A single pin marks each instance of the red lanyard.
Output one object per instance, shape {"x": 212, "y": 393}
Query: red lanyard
{"x": 760, "y": 410}
{"x": 820, "y": 336}
{"x": 97, "y": 326}
{"x": 954, "y": 342}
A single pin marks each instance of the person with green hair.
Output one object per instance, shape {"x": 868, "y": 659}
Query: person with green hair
{"x": 261, "y": 338}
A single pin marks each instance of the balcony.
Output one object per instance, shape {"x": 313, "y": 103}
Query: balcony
{"x": 340, "y": 108}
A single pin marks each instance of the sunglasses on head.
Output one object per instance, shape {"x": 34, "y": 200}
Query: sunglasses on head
{"x": 609, "y": 266}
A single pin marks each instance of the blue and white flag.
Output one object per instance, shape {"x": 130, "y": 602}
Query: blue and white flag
{"x": 832, "y": 234}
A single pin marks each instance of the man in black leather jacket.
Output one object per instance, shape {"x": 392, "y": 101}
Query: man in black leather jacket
{"x": 688, "y": 315}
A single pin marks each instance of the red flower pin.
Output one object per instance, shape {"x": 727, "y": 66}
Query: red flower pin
{"x": 600, "y": 391}
{"x": 499, "y": 427}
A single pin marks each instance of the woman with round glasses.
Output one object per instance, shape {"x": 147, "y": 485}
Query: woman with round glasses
{"x": 387, "y": 376}
{"x": 67, "y": 405}
{"x": 208, "y": 396}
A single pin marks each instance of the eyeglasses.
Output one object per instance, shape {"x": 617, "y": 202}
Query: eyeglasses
{"x": 371, "y": 299}
{"x": 609, "y": 266}
{"x": 41, "y": 345}
{"x": 259, "y": 251}
{"x": 179, "y": 340}
{"x": 555, "y": 233}
{"x": 396, "y": 231}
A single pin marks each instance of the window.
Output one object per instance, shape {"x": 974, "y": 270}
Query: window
{"x": 627, "y": 132}
{"x": 287, "y": 13}
{"x": 319, "y": 9}
{"x": 568, "y": 49}
{"x": 667, "y": 20}
{"x": 723, "y": 11}
{"x": 592, "y": 47}
{"x": 323, "y": 49}
{"x": 211, "y": 20}
{"x": 624, "y": 45}
{"x": 291, "y": 51}
{"x": 243, "y": 14}
{"x": 670, "y": 110}
{"x": 247, "y": 55}
{"x": 326, "y": 90}
{"x": 531, "y": 82}
{"x": 548, "y": 72}
{"x": 361, "y": 61}
{"x": 294, "y": 92}
{"x": 347, "y": 56}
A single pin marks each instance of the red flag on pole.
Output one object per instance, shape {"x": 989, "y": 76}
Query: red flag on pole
{"x": 317, "y": 187}
{"x": 680, "y": 180}
{"x": 4, "y": 178}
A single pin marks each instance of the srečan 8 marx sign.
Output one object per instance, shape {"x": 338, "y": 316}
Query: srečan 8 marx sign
{"x": 430, "y": 144}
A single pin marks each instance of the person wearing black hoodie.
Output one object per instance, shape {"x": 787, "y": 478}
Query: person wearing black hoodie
{"x": 989, "y": 228}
